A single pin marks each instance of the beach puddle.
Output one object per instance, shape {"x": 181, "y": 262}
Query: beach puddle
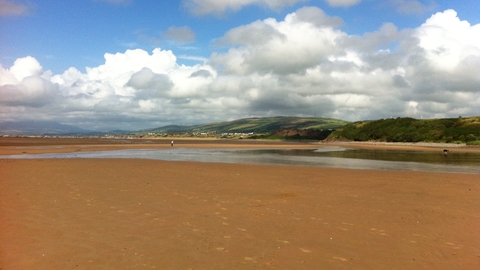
{"x": 337, "y": 157}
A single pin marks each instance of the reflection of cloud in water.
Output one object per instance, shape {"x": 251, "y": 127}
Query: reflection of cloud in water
{"x": 330, "y": 149}
{"x": 326, "y": 157}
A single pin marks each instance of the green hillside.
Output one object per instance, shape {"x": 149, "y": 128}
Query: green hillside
{"x": 256, "y": 125}
{"x": 412, "y": 130}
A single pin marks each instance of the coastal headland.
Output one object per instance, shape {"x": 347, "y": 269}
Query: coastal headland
{"x": 151, "y": 214}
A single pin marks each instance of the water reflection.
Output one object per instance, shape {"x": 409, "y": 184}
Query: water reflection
{"x": 374, "y": 159}
{"x": 337, "y": 157}
{"x": 434, "y": 157}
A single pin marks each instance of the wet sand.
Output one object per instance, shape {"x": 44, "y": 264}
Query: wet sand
{"x": 15, "y": 146}
{"x": 150, "y": 214}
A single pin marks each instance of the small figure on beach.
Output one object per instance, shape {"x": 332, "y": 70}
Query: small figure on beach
{"x": 445, "y": 152}
{"x": 171, "y": 143}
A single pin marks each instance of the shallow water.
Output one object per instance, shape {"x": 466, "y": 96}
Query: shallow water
{"x": 337, "y": 157}
{"x": 432, "y": 157}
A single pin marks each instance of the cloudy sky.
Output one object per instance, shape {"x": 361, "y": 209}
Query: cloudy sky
{"x": 133, "y": 64}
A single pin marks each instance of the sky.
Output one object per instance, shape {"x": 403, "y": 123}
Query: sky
{"x": 136, "y": 64}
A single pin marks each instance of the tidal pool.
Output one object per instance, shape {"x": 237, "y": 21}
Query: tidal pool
{"x": 337, "y": 157}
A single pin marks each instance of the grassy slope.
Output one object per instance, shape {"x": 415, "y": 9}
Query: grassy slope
{"x": 258, "y": 125}
{"x": 412, "y": 130}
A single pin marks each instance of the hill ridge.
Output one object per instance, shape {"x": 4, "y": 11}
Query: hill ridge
{"x": 406, "y": 129}
{"x": 255, "y": 124}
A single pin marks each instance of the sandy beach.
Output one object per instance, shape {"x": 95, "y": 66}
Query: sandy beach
{"x": 150, "y": 214}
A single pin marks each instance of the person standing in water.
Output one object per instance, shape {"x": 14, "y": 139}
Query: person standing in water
{"x": 171, "y": 143}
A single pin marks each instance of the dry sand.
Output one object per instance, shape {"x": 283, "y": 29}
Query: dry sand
{"x": 149, "y": 214}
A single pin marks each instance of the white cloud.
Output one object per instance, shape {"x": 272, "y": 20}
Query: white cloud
{"x": 26, "y": 84}
{"x": 149, "y": 85}
{"x": 289, "y": 46}
{"x": 192, "y": 58}
{"x": 447, "y": 40}
{"x": 11, "y": 8}
{"x": 25, "y": 67}
{"x": 134, "y": 88}
{"x": 219, "y": 7}
{"x": 301, "y": 65}
{"x": 317, "y": 17}
{"x": 180, "y": 34}
{"x": 412, "y": 6}
{"x": 342, "y": 3}
{"x": 366, "y": 76}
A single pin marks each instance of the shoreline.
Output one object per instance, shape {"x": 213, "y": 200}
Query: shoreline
{"x": 419, "y": 146}
{"x": 14, "y": 146}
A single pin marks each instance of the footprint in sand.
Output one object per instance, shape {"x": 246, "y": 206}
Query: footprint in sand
{"x": 249, "y": 259}
{"x": 454, "y": 246}
{"x": 376, "y": 231}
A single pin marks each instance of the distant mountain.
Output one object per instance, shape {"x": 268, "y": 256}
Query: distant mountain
{"x": 41, "y": 128}
{"x": 256, "y": 125}
{"x": 248, "y": 125}
{"x": 171, "y": 129}
{"x": 115, "y": 131}
{"x": 462, "y": 129}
